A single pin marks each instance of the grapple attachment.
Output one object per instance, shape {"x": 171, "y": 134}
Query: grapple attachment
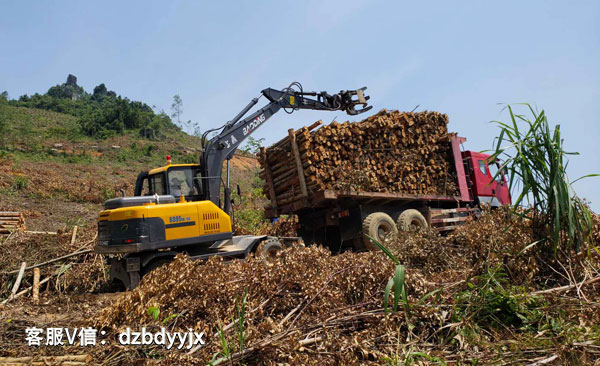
{"x": 348, "y": 103}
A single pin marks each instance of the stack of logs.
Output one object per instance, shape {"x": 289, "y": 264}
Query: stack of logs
{"x": 10, "y": 221}
{"x": 396, "y": 152}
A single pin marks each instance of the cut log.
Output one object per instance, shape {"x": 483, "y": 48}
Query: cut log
{"x": 41, "y": 232}
{"x": 74, "y": 235}
{"x": 391, "y": 152}
{"x": 10, "y": 221}
{"x": 47, "y": 360}
{"x": 300, "y": 171}
{"x": 36, "y": 286}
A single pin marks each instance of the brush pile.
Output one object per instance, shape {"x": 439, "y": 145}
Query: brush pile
{"x": 285, "y": 226}
{"x": 311, "y": 308}
{"x": 305, "y": 294}
{"x": 391, "y": 151}
{"x": 77, "y": 274}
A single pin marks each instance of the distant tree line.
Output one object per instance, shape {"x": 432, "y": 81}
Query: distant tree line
{"x": 102, "y": 113}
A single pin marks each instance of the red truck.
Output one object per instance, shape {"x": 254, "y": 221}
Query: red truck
{"x": 342, "y": 219}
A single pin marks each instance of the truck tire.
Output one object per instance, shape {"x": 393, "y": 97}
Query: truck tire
{"x": 379, "y": 226}
{"x": 411, "y": 220}
{"x": 268, "y": 249}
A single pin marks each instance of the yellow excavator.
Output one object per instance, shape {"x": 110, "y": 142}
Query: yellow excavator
{"x": 178, "y": 208}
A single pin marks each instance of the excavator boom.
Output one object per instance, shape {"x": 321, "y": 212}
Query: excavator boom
{"x": 222, "y": 147}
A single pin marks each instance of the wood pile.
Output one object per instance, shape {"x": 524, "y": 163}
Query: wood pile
{"x": 10, "y": 221}
{"x": 392, "y": 151}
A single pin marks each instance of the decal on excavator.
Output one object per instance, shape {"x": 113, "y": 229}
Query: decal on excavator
{"x": 178, "y": 219}
{"x": 254, "y": 124}
{"x": 233, "y": 141}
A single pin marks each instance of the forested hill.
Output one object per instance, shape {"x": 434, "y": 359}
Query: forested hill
{"x": 100, "y": 114}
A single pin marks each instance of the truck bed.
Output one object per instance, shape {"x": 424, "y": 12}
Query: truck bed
{"x": 322, "y": 198}
{"x": 327, "y": 197}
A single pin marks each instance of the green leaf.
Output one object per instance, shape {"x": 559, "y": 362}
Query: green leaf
{"x": 165, "y": 320}
{"x": 398, "y": 285}
{"x": 386, "y": 294}
{"x": 429, "y": 294}
{"x": 154, "y": 312}
{"x": 530, "y": 245}
{"x": 384, "y": 249}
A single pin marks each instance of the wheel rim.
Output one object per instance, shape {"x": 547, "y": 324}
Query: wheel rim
{"x": 415, "y": 225}
{"x": 382, "y": 232}
{"x": 271, "y": 253}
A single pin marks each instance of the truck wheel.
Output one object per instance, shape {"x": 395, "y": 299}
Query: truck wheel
{"x": 269, "y": 249}
{"x": 379, "y": 226}
{"x": 411, "y": 220}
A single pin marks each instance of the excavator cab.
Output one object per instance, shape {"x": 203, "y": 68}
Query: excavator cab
{"x": 178, "y": 180}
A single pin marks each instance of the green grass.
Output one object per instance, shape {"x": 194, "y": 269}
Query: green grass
{"x": 226, "y": 347}
{"x": 30, "y": 134}
{"x": 29, "y": 126}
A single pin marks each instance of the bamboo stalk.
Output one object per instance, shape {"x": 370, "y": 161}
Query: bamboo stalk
{"x": 74, "y": 235}
{"x": 36, "y": 286}
{"x": 55, "y": 260}
{"x": 19, "y": 278}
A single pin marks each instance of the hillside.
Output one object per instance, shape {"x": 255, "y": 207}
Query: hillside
{"x": 60, "y": 177}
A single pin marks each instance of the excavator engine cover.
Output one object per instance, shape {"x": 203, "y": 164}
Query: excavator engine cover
{"x": 152, "y": 226}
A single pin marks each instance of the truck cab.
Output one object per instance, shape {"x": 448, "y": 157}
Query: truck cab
{"x": 485, "y": 187}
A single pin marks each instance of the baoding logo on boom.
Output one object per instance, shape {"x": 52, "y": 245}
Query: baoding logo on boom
{"x": 255, "y": 123}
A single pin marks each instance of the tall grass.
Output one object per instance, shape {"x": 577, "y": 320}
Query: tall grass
{"x": 534, "y": 157}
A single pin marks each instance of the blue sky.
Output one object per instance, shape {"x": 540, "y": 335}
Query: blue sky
{"x": 460, "y": 58}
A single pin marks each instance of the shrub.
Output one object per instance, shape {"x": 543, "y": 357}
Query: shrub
{"x": 20, "y": 183}
{"x": 534, "y": 157}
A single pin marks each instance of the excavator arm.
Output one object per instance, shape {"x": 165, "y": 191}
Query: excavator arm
{"x": 222, "y": 147}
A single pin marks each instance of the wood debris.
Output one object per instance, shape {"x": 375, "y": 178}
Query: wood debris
{"x": 10, "y": 221}
{"x": 47, "y": 360}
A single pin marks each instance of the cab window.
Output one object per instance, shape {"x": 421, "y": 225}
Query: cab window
{"x": 146, "y": 187}
{"x": 198, "y": 182}
{"x": 181, "y": 183}
{"x": 153, "y": 184}
{"x": 158, "y": 183}
{"x": 482, "y": 167}
{"x": 493, "y": 170}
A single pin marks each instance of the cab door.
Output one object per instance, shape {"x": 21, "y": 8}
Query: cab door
{"x": 485, "y": 188}
{"x": 501, "y": 184}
